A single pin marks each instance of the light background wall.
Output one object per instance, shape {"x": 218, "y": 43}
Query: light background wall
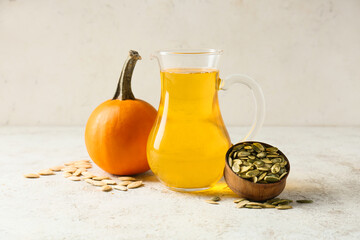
{"x": 60, "y": 58}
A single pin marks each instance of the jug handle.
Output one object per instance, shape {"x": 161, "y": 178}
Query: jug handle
{"x": 258, "y": 97}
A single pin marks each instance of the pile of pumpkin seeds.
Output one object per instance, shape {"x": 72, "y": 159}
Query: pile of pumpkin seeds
{"x": 78, "y": 171}
{"x": 254, "y": 162}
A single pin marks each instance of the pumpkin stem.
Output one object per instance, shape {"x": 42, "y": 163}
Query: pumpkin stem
{"x": 123, "y": 89}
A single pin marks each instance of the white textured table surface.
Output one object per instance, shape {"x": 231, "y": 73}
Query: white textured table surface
{"x": 325, "y": 167}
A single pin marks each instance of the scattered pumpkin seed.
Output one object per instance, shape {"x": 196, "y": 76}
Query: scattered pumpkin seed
{"x": 135, "y": 184}
{"x": 98, "y": 183}
{"x": 121, "y": 188}
{"x": 242, "y": 203}
{"x": 31, "y": 175}
{"x": 109, "y": 182}
{"x": 74, "y": 178}
{"x": 46, "y": 172}
{"x": 304, "y": 201}
{"x": 124, "y": 183}
{"x": 239, "y": 200}
{"x": 99, "y": 178}
{"x": 67, "y": 174}
{"x": 57, "y": 168}
{"x": 211, "y": 202}
{"x": 127, "y": 178}
{"x": 216, "y": 198}
{"x": 283, "y": 207}
{"x": 106, "y": 188}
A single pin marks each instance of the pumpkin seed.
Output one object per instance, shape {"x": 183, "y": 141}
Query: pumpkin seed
{"x": 252, "y": 157}
{"x": 272, "y": 156}
{"x": 135, "y": 184}
{"x": 253, "y": 207}
{"x": 258, "y": 146}
{"x": 78, "y": 172}
{"x": 249, "y": 147}
{"x": 255, "y": 204}
{"x": 242, "y": 204}
{"x": 239, "y": 200}
{"x": 243, "y": 154}
{"x": 46, "y": 172}
{"x": 236, "y": 168}
{"x": 211, "y": 202}
{"x": 74, "y": 178}
{"x": 269, "y": 206}
{"x": 97, "y": 183}
{"x": 283, "y": 207}
{"x": 31, "y": 175}
{"x": 106, "y": 188}
{"x": 57, "y": 168}
{"x": 266, "y": 160}
{"x": 89, "y": 181}
{"x": 99, "y": 178}
{"x": 230, "y": 162}
{"x": 124, "y": 183}
{"x": 121, "y": 188}
{"x": 272, "y": 149}
{"x": 261, "y": 177}
{"x": 281, "y": 202}
{"x": 244, "y": 169}
{"x": 69, "y": 169}
{"x": 254, "y": 179}
{"x": 109, "y": 182}
{"x": 127, "y": 178}
{"x": 275, "y": 168}
{"x": 263, "y": 168}
{"x": 67, "y": 174}
{"x": 282, "y": 175}
{"x": 304, "y": 201}
{"x": 252, "y": 173}
{"x": 261, "y": 155}
{"x": 271, "y": 179}
{"x": 216, "y": 198}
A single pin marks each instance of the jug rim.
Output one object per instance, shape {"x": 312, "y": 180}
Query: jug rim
{"x": 190, "y": 51}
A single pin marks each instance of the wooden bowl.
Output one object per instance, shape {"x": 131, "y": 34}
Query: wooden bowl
{"x": 250, "y": 190}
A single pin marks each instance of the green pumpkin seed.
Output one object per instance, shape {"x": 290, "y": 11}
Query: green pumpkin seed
{"x": 242, "y": 204}
{"x": 238, "y": 147}
{"x": 275, "y": 168}
{"x": 261, "y": 177}
{"x": 271, "y": 179}
{"x": 272, "y": 149}
{"x": 283, "y": 207}
{"x": 254, "y": 179}
{"x": 216, "y": 198}
{"x": 272, "y": 155}
{"x": 239, "y": 200}
{"x": 268, "y": 206}
{"x": 259, "y": 163}
{"x": 282, "y": 202}
{"x": 244, "y": 169}
{"x": 252, "y": 157}
{"x": 230, "y": 162}
{"x": 304, "y": 201}
{"x": 282, "y": 175}
{"x": 253, "y": 207}
{"x": 249, "y": 147}
{"x": 266, "y": 160}
{"x": 243, "y": 154}
{"x": 261, "y": 155}
{"x": 259, "y": 146}
{"x": 253, "y": 173}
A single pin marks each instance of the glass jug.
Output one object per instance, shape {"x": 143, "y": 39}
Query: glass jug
{"x": 188, "y": 142}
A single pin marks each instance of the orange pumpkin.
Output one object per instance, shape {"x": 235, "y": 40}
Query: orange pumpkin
{"x": 117, "y": 130}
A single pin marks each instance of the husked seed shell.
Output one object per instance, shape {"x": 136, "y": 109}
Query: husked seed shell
{"x": 106, "y": 188}
{"x": 99, "y": 178}
{"x": 57, "y": 168}
{"x": 77, "y": 172}
{"x": 124, "y": 183}
{"x": 127, "y": 178}
{"x": 69, "y": 169}
{"x": 134, "y": 184}
{"x": 98, "y": 183}
{"x": 73, "y": 178}
{"x": 121, "y": 188}
{"x": 31, "y": 175}
{"x": 109, "y": 182}
{"x": 46, "y": 172}
{"x": 67, "y": 174}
